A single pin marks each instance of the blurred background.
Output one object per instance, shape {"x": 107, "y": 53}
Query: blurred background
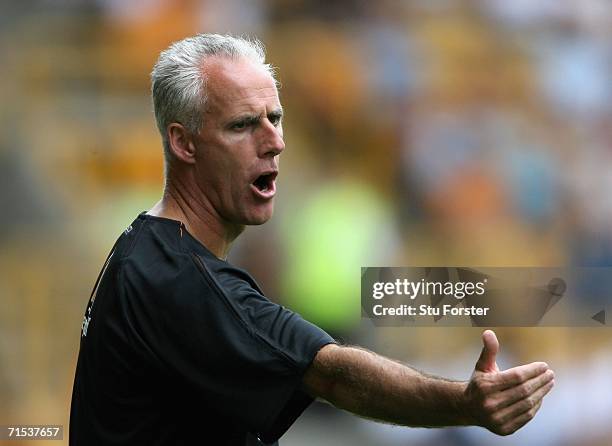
{"x": 424, "y": 133}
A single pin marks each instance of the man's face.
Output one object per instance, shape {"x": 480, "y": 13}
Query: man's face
{"x": 238, "y": 148}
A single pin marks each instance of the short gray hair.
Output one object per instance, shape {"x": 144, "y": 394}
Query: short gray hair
{"x": 178, "y": 82}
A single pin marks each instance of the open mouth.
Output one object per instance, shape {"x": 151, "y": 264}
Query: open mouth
{"x": 264, "y": 184}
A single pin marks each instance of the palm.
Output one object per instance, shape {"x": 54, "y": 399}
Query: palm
{"x": 505, "y": 401}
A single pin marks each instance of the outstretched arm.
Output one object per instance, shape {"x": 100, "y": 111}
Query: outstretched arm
{"x": 375, "y": 387}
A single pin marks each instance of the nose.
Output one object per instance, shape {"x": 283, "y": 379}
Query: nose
{"x": 272, "y": 142}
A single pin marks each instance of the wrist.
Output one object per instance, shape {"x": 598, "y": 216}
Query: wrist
{"x": 463, "y": 405}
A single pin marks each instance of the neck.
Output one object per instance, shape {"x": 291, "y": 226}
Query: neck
{"x": 199, "y": 217}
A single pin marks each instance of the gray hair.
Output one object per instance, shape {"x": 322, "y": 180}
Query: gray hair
{"x": 178, "y": 82}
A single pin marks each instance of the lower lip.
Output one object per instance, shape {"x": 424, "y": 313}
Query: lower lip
{"x": 265, "y": 195}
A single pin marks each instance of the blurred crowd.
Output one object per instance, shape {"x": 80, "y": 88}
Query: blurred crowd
{"x": 422, "y": 132}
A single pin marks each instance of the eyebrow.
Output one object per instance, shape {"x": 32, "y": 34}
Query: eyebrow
{"x": 249, "y": 118}
{"x": 277, "y": 113}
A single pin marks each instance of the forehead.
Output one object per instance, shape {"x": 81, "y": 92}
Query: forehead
{"x": 239, "y": 85}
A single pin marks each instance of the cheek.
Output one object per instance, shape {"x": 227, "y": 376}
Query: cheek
{"x": 236, "y": 176}
{"x": 227, "y": 166}
{"x": 220, "y": 164}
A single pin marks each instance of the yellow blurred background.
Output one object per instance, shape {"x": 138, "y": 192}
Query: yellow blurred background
{"x": 424, "y": 132}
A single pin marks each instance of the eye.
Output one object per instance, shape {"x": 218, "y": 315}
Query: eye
{"x": 240, "y": 125}
{"x": 275, "y": 118}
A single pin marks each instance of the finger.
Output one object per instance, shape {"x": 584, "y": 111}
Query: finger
{"x": 486, "y": 361}
{"x": 521, "y": 420}
{"x": 507, "y": 414}
{"x": 521, "y": 391}
{"x": 517, "y": 375}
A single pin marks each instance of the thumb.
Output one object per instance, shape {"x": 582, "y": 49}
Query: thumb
{"x": 486, "y": 362}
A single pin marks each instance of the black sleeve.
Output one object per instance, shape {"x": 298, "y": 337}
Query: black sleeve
{"x": 242, "y": 354}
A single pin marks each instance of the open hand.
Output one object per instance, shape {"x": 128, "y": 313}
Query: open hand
{"x": 504, "y": 401}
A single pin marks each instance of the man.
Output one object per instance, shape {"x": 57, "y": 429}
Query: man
{"x": 180, "y": 347}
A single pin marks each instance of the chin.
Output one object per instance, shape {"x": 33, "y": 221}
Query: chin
{"x": 261, "y": 216}
{"x": 259, "y": 220}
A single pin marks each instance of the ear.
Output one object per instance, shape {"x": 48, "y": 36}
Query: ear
{"x": 181, "y": 143}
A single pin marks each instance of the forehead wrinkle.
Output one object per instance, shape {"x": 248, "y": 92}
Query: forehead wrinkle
{"x": 243, "y": 104}
{"x": 246, "y": 96}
